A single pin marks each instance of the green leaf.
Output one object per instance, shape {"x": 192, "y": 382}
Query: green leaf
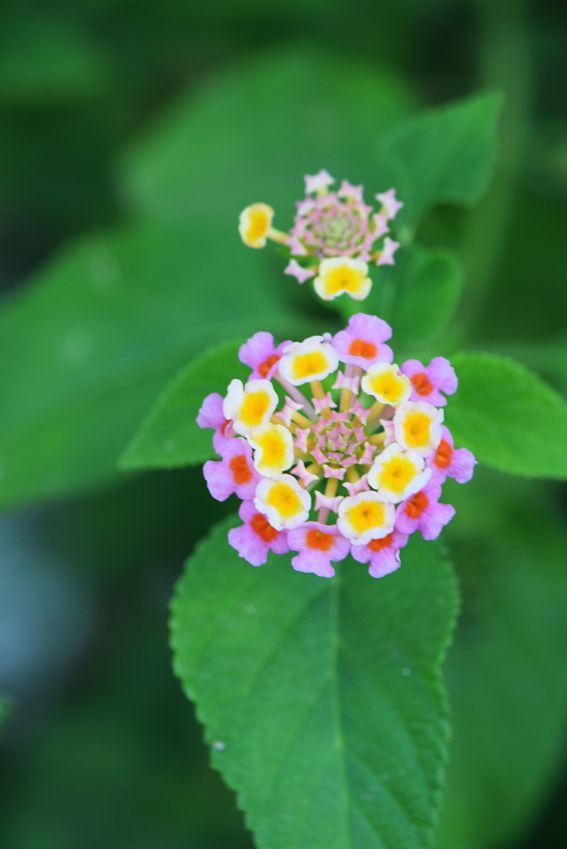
{"x": 5, "y": 710}
{"x": 322, "y": 700}
{"x": 547, "y": 356}
{"x": 169, "y": 436}
{"x": 508, "y": 417}
{"x": 418, "y": 297}
{"x": 445, "y": 155}
{"x": 252, "y": 133}
{"x": 426, "y": 296}
{"x": 507, "y": 691}
{"x": 105, "y": 326}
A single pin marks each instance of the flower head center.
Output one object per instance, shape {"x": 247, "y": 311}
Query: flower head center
{"x": 334, "y": 227}
{"x": 339, "y": 441}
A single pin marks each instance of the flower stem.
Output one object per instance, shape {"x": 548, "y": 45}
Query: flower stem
{"x": 297, "y": 396}
{"x": 374, "y": 414}
{"x": 319, "y": 393}
{"x": 278, "y": 236}
{"x": 377, "y": 438}
{"x": 330, "y": 492}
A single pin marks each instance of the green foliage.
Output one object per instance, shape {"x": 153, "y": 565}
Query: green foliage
{"x": 325, "y": 696}
{"x": 418, "y": 297}
{"x": 445, "y": 155}
{"x": 442, "y": 155}
{"x": 508, "y": 417}
{"x": 49, "y": 60}
{"x": 252, "y": 135}
{"x": 507, "y": 692}
{"x": 169, "y": 436}
{"x": 75, "y": 82}
{"x": 106, "y": 324}
{"x": 5, "y": 709}
{"x": 113, "y": 316}
{"x": 109, "y": 321}
{"x": 548, "y": 357}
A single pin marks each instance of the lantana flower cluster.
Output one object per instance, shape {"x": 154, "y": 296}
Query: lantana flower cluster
{"x": 334, "y": 449}
{"x": 335, "y": 235}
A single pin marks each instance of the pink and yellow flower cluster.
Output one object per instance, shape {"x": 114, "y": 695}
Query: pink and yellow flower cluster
{"x": 334, "y": 238}
{"x": 334, "y": 449}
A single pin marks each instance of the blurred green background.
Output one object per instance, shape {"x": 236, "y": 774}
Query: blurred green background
{"x": 101, "y": 749}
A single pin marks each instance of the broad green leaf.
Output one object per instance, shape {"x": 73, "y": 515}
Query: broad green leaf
{"x": 445, "y": 155}
{"x": 322, "y": 700}
{"x": 87, "y": 348}
{"x": 507, "y": 691}
{"x": 418, "y": 297}
{"x": 253, "y": 132}
{"x": 169, "y": 436}
{"x": 508, "y": 417}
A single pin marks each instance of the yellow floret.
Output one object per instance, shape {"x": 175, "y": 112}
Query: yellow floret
{"x": 254, "y": 224}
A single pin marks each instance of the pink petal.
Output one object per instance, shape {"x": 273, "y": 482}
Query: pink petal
{"x": 387, "y": 253}
{"x": 248, "y": 545}
{"x": 442, "y": 375}
{"x": 211, "y": 414}
{"x": 298, "y": 271}
{"x": 257, "y": 349}
{"x": 434, "y": 519}
{"x": 462, "y": 465}
{"x": 219, "y": 479}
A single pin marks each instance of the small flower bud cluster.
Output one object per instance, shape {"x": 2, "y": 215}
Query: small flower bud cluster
{"x": 335, "y": 235}
{"x": 334, "y": 449}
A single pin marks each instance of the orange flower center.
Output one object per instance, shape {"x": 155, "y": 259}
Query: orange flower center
{"x": 240, "y": 469}
{"x": 262, "y": 527}
{"x": 319, "y": 540}
{"x": 416, "y": 505}
{"x": 443, "y": 455}
{"x": 267, "y": 364}
{"x": 380, "y": 544}
{"x": 362, "y": 348}
{"x": 421, "y": 383}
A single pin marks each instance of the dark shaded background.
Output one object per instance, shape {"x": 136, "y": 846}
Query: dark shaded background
{"x": 102, "y": 749}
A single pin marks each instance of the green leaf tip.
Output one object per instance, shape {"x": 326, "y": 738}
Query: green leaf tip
{"x": 169, "y": 436}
